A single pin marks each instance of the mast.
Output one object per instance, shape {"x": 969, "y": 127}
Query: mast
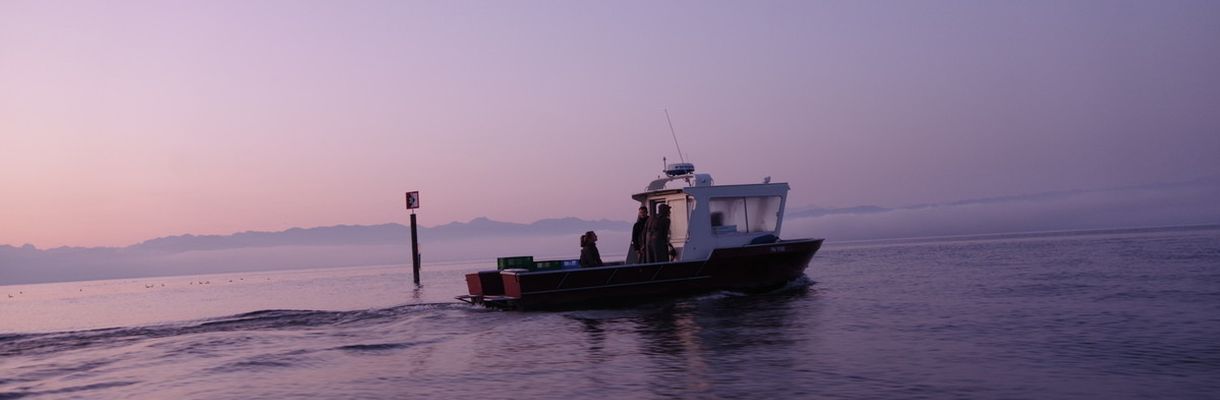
{"x": 675, "y": 135}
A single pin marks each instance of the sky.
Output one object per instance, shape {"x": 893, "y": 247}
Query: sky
{"x": 124, "y": 121}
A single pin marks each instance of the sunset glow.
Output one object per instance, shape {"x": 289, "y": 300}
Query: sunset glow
{"x": 121, "y": 122}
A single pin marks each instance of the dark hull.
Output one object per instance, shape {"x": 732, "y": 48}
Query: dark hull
{"x": 745, "y": 269}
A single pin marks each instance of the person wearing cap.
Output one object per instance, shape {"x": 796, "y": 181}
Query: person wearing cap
{"x": 658, "y": 236}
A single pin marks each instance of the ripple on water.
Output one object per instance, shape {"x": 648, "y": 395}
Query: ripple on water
{"x": 1032, "y": 317}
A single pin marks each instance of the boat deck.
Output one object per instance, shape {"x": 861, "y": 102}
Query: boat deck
{"x": 748, "y": 268}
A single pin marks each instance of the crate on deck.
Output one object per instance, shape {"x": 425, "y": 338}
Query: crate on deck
{"x": 523, "y": 262}
{"x": 549, "y": 265}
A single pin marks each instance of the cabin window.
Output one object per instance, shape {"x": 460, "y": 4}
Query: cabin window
{"x": 728, "y": 214}
{"x": 762, "y": 213}
{"x": 744, "y": 214}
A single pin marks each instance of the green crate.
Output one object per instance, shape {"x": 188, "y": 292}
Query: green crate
{"x": 548, "y": 265}
{"x": 526, "y": 262}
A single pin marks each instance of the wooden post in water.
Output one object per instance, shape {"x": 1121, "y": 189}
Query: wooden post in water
{"x": 414, "y": 248}
{"x": 412, "y": 204}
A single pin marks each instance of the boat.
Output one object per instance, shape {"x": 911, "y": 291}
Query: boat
{"x": 722, "y": 238}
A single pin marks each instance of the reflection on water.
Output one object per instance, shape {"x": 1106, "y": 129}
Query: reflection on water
{"x": 706, "y": 345}
{"x": 672, "y": 338}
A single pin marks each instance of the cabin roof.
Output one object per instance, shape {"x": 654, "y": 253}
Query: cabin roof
{"x": 745, "y": 189}
{"x": 642, "y": 196}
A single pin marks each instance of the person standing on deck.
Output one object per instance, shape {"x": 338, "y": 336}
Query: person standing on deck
{"x": 635, "y": 254}
{"x": 589, "y": 256}
{"x": 658, "y": 236}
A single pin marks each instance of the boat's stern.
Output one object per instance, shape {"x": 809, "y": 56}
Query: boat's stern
{"x": 485, "y": 283}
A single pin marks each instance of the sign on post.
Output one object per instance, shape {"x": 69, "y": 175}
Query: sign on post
{"x": 412, "y": 200}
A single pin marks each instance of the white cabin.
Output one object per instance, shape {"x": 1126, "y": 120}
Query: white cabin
{"x": 705, "y": 216}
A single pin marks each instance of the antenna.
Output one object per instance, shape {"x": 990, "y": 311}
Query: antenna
{"x": 675, "y": 135}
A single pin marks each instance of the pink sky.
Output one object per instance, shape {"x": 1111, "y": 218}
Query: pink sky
{"x": 124, "y": 121}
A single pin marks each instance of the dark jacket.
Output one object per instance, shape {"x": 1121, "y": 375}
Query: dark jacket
{"x": 637, "y": 234}
{"x": 589, "y": 256}
{"x": 657, "y": 249}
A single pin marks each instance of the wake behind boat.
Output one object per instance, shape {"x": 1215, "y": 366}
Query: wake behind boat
{"x": 720, "y": 237}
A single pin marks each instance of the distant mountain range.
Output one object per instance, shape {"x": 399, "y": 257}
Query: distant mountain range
{"x": 813, "y": 211}
{"x": 331, "y": 246}
{"x": 1183, "y": 203}
{"x": 383, "y": 234}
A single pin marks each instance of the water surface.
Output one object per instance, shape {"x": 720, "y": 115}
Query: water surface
{"x": 1114, "y": 314}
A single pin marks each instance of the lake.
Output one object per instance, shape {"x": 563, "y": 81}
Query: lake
{"x": 1100, "y": 314}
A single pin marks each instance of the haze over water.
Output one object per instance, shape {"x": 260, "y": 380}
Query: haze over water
{"x": 151, "y": 138}
{"x": 1101, "y": 314}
